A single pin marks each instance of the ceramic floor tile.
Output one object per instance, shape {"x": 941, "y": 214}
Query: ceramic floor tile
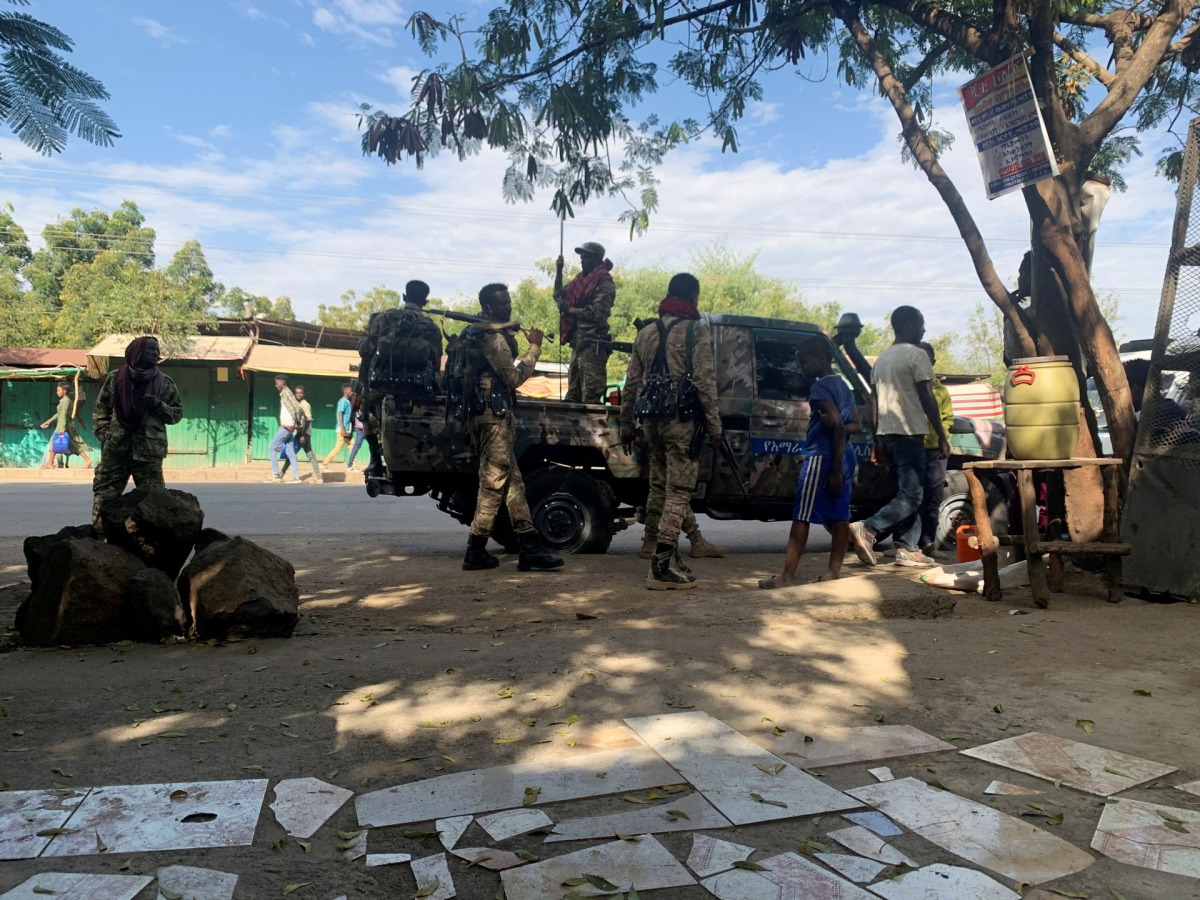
{"x": 24, "y": 813}
{"x": 883, "y": 773}
{"x": 432, "y": 870}
{"x": 711, "y": 855}
{"x": 509, "y": 823}
{"x": 865, "y": 843}
{"x": 833, "y": 746}
{"x": 939, "y": 882}
{"x": 489, "y": 857}
{"x": 855, "y": 868}
{"x": 302, "y": 805}
{"x": 679, "y": 814}
{"x": 197, "y": 884}
{"x": 451, "y": 829}
{"x": 644, "y": 864}
{"x": 141, "y": 818}
{"x": 786, "y": 877}
{"x": 876, "y": 822}
{"x": 1192, "y": 787}
{"x": 730, "y": 769}
{"x": 70, "y": 886}
{"x": 1140, "y": 834}
{"x": 1004, "y": 844}
{"x": 375, "y": 860}
{"x": 503, "y": 787}
{"x": 1010, "y": 790}
{"x": 1074, "y": 763}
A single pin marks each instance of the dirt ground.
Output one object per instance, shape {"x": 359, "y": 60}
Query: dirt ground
{"x": 402, "y": 667}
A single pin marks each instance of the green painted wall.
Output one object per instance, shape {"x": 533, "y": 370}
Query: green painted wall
{"x": 322, "y": 393}
{"x": 24, "y": 405}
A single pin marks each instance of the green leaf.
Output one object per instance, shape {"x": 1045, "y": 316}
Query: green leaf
{"x": 601, "y": 884}
{"x": 998, "y": 708}
{"x": 1086, "y": 724}
{"x": 349, "y": 835}
{"x": 525, "y": 855}
{"x": 746, "y": 864}
{"x": 1141, "y": 693}
{"x": 292, "y": 888}
{"x": 101, "y": 847}
{"x": 531, "y": 796}
{"x": 52, "y": 832}
{"x": 761, "y": 799}
{"x": 179, "y": 795}
{"x": 428, "y": 889}
{"x": 306, "y": 846}
{"x": 418, "y": 835}
{"x": 1171, "y": 817}
{"x": 38, "y": 889}
{"x": 168, "y": 894}
{"x": 677, "y": 814}
{"x": 629, "y": 798}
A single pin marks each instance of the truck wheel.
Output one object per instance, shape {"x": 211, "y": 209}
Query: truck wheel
{"x": 571, "y": 511}
{"x": 956, "y": 508}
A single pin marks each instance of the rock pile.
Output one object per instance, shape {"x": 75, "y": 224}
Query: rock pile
{"x": 135, "y": 585}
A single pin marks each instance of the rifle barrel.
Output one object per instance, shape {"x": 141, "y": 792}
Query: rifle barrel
{"x": 480, "y": 320}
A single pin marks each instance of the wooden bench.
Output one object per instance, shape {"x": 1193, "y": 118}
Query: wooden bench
{"x": 1043, "y": 577}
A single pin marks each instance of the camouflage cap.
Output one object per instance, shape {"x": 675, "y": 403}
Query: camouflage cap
{"x": 592, "y": 249}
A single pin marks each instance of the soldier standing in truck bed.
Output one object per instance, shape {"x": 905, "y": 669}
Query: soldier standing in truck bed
{"x": 136, "y": 404}
{"x": 672, "y": 392}
{"x": 584, "y": 306}
{"x": 493, "y": 374}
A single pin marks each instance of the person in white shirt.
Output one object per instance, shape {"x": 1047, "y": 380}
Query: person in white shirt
{"x": 903, "y": 411}
{"x": 289, "y": 412}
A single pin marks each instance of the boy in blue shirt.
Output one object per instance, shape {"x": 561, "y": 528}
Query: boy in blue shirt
{"x": 827, "y": 476}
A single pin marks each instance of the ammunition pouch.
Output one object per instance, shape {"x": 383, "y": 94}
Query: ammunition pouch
{"x": 501, "y": 399}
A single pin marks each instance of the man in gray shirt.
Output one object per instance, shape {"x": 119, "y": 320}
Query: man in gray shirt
{"x": 903, "y": 411}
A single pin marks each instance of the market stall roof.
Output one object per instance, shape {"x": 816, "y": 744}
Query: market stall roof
{"x": 201, "y": 347}
{"x": 302, "y": 361}
{"x": 43, "y": 357}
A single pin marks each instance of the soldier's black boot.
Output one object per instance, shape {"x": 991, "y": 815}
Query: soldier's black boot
{"x": 664, "y": 575}
{"x": 375, "y": 467}
{"x": 477, "y": 556}
{"x": 533, "y": 554}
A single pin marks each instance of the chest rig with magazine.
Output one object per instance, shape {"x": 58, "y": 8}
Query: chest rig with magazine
{"x": 660, "y": 398}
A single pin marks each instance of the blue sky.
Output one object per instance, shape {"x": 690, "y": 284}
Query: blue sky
{"x": 239, "y": 130}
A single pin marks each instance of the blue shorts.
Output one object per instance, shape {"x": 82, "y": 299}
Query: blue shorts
{"x": 814, "y": 503}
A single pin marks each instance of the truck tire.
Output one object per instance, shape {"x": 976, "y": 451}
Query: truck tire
{"x": 956, "y": 508}
{"x": 572, "y": 512}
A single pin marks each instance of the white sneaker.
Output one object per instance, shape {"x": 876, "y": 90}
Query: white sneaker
{"x": 864, "y": 543}
{"x": 914, "y": 559}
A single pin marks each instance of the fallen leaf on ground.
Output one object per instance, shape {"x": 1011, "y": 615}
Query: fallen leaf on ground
{"x": 746, "y": 864}
{"x": 761, "y": 799}
{"x": 1086, "y": 724}
{"x": 292, "y": 888}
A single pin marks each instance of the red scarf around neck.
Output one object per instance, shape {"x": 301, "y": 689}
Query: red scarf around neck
{"x": 677, "y": 306}
{"x": 580, "y": 292}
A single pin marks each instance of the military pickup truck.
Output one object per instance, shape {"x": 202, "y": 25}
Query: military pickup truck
{"x": 583, "y": 487}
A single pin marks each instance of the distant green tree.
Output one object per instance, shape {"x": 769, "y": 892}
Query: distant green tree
{"x": 189, "y": 273}
{"x": 354, "y": 310}
{"x": 235, "y": 303}
{"x": 116, "y": 295}
{"x": 43, "y": 98}
{"x": 80, "y": 238}
{"x": 23, "y": 320}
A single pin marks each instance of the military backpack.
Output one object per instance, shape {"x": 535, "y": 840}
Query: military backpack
{"x": 464, "y": 356}
{"x": 402, "y": 351}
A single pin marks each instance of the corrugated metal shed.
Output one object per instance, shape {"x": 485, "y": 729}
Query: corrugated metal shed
{"x": 201, "y": 347}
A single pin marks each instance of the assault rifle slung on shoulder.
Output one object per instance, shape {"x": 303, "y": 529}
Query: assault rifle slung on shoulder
{"x": 480, "y": 320}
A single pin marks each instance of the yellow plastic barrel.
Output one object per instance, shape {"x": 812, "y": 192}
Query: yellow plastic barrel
{"x": 1041, "y": 408}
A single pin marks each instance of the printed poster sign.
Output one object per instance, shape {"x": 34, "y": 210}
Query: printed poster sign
{"x": 1007, "y": 128}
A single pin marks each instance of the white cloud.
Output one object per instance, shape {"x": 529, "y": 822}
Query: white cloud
{"x": 165, "y": 36}
{"x": 400, "y": 78}
{"x": 369, "y": 21}
{"x": 307, "y": 39}
{"x": 220, "y": 131}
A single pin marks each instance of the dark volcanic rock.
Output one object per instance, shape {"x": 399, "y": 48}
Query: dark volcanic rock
{"x": 81, "y": 596}
{"x": 210, "y": 536}
{"x": 155, "y": 610}
{"x": 236, "y": 587}
{"x": 37, "y": 547}
{"x": 158, "y": 525}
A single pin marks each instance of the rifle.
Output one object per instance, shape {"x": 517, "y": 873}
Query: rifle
{"x": 723, "y": 448}
{"x": 480, "y": 320}
{"x": 621, "y": 346}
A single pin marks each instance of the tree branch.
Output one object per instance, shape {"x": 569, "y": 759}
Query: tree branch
{"x": 926, "y": 64}
{"x": 1136, "y": 74}
{"x": 1101, "y": 74}
{"x": 1183, "y": 43}
{"x": 923, "y": 153}
{"x": 963, "y": 34}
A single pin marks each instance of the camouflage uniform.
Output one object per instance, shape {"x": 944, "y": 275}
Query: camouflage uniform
{"x": 123, "y": 453}
{"x": 500, "y": 479}
{"x": 673, "y": 472}
{"x": 587, "y": 375}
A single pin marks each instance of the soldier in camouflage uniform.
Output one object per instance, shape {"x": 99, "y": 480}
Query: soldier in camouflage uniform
{"x": 673, "y": 469}
{"x": 136, "y": 404}
{"x": 584, "y": 306}
{"x": 701, "y": 546}
{"x": 495, "y": 372}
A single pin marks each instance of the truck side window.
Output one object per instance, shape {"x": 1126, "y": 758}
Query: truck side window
{"x": 777, "y": 373}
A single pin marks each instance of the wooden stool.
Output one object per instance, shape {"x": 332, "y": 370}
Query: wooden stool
{"x": 1042, "y": 582}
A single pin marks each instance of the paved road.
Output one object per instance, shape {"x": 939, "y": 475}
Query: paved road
{"x": 331, "y": 510}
